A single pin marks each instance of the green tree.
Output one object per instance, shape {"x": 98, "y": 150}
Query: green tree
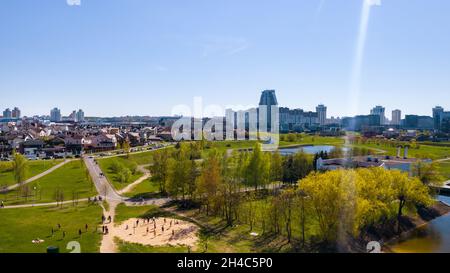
{"x": 428, "y": 173}
{"x": 209, "y": 181}
{"x": 258, "y": 168}
{"x": 159, "y": 168}
{"x": 276, "y": 167}
{"x": 20, "y": 168}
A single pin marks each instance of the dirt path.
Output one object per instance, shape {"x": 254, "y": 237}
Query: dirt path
{"x": 108, "y": 245}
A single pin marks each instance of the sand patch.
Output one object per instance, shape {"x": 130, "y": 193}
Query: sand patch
{"x": 157, "y": 232}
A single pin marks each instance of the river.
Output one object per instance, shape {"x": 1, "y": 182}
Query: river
{"x": 431, "y": 238}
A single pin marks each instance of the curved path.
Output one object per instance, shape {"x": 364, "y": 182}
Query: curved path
{"x": 146, "y": 175}
{"x": 36, "y": 177}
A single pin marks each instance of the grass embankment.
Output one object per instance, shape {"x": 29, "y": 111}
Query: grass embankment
{"x": 71, "y": 179}
{"x": 445, "y": 169}
{"x": 18, "y": 227}
{"x": 422, "y": 151}
{"x": 146, "y": 189}
{"x": 34, "y": 168}
{"x": 287, "y": 140}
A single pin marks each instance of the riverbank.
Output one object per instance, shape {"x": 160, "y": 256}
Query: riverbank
{"x": 410, "y": 225}
{"x": 389, "y": 234}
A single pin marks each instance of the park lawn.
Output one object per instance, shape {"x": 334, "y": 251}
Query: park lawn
{"x": 423, "y": 151}
{"x": 106, "y": 163}
{"x": 34, "y": 168}
{"x": 124, "y": 212}
{"x": 445, "y": 169}
{"x": 18, "y": 227}
{"x": 148, "y": 188}
{"x": 142, "y": 158}
{"x": 70, "y": 179}
{"x": 312, "y": 140}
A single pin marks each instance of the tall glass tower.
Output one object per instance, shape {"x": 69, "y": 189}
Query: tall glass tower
{"x": 268, "y": 100}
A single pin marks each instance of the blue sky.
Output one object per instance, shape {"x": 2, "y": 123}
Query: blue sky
{"x": 143, "y": 57}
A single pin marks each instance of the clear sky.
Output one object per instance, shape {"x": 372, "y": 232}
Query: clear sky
{"x": 143, "y": 57}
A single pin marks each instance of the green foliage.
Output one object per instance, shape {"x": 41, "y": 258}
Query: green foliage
{"x": 20, "y": 167}
{"x": 296, "y": 166}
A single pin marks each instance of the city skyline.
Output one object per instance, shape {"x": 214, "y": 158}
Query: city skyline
{"x": 77, "y": 56}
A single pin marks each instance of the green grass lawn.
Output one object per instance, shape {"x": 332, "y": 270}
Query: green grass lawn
{"x": 18, "y": 227}
{"x": 70, "y": 178}
{"x": 312, "y": 140}
{"x": 145, "y": 189}
{"x": 142, "y": 158}
{"x": 34, "y": 168}
{"x": 124, "y": 212}
{"x": 106, "y": 163}
{"x": 445, "y": 169}
{"x": 423, "y": 151}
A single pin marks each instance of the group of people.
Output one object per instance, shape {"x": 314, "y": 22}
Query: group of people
{"x": 104, "y": 219}
{"x": 147, "y": 221}
{"x": 95, "y": 199}
{"x": 105, "y": 230}
{"x": 63, "y": 233}
{"x": 108, "y": 220}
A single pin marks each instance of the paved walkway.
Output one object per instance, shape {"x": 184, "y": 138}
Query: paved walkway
{"x": 108, "y": 245}
{"x": 44, "y": 204}
{"x": 104, "y": 188}
{"x": 34, "y": 178}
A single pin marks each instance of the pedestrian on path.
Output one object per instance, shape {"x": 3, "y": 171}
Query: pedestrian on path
{"x": 2, "y": 205}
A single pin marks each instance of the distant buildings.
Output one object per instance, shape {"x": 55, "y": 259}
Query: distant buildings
{"x": 11, "y": 114}
{"x": 7, "y": 113}
{"x": 268, "y": 99}
{"x": 379, "y": 111}
{"x": 418, "y": 122}
{"x": 80, "y": 116}
{"x": 360, "y": 122}
{"x": 396, "y": 117}
{"x": 16, "y": 113}
{"x": 55, "y": 115}
{"x": 321, "y": 114}
{"x": 440, "y": 117}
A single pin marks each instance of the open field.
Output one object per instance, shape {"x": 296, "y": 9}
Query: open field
{"x": 422, "y": 151}
{"x": 106, "y": 164}
{"x": 148, "y": 188}
{"x": 70, "y": 179}
{"x": 445, "y": 169}
{"x": 34, "y": 168}
{"x": 18, "y": 227}
{"x": 287, "y": 140}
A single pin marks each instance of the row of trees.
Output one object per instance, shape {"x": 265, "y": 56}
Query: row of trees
{"x": 182, "y": 174}
{"x": 326, "y": 205}
{"x": 336, "y": 205}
